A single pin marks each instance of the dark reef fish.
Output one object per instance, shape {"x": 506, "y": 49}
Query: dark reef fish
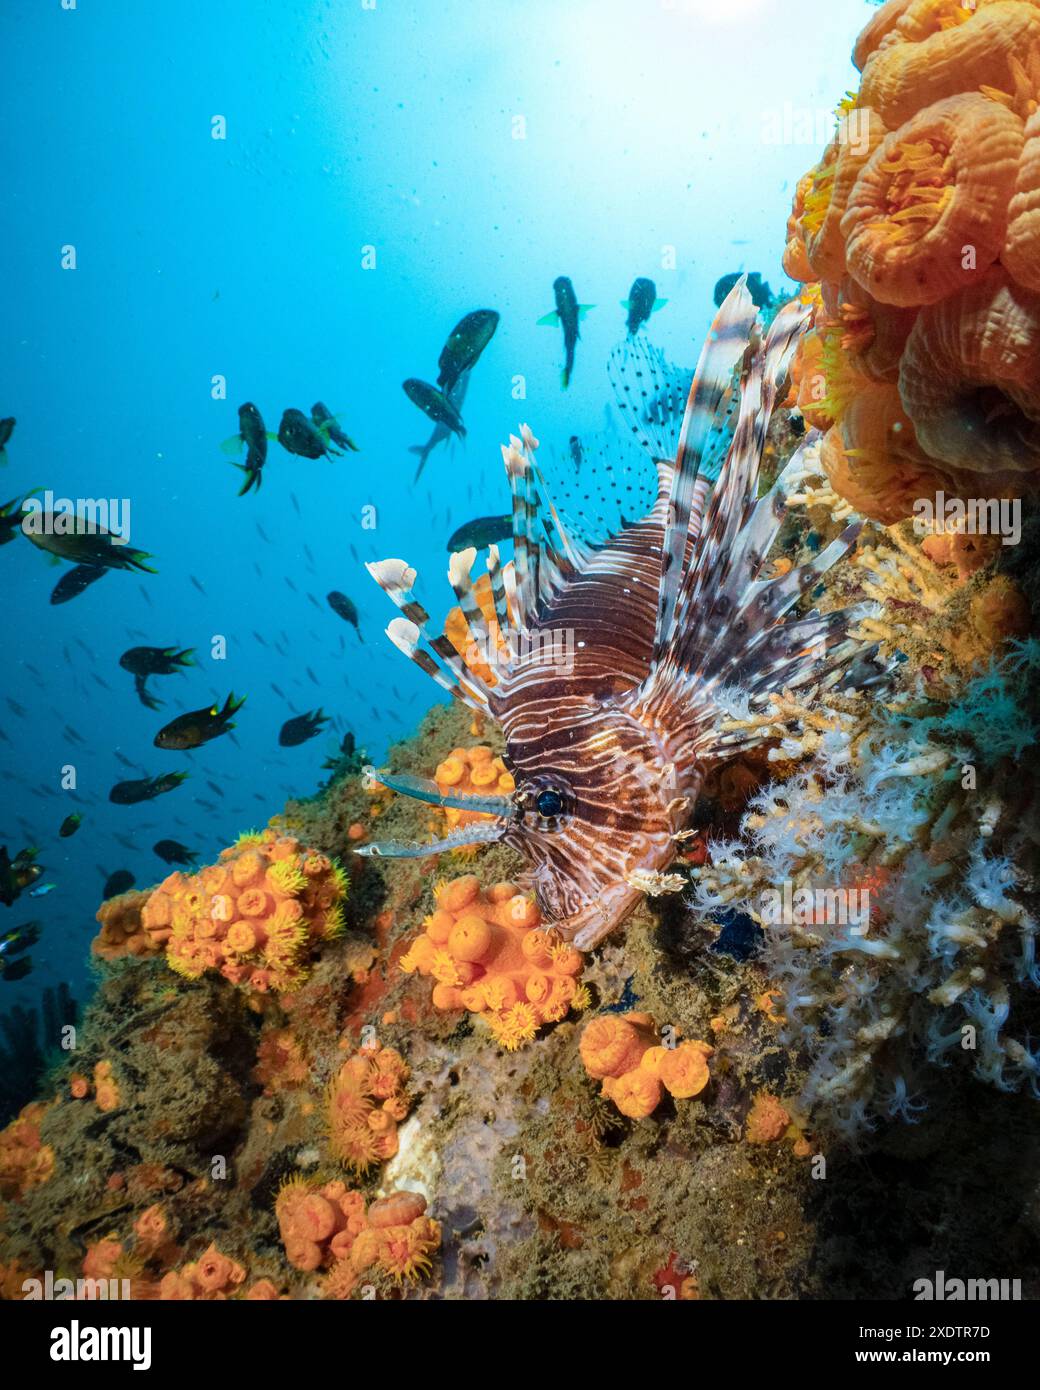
{"x": 481, "y": 532}
{"x": 14, "y": 942}
{"x": 143, "y": 662}
{"x": 18, "y": 873}
{"x": 634, "y": 649}
{"x": 328, "y": 424}
{"x": 11, "y": 517}
{"x": 198, "y": 726}
{"x": 434, "y": 403}
{"x": 252, "y": 432}
{"x": 567, "y": 314}
{"x": 642, "y": 301}
{"x": 156, "y": 661}
{"x": 441, "y": 431}
{"x": 173, "y": 852}
{"x": 74, "y": 581}
{"x": 145, "y": 788}
{"x": 761, "y": 294}
{"x": 305, "y": 726}
{"x": 344, "y": 608}
{"x": 70, "y": 825}
{"x": 55, "y": 532}
{"x": 118, "y": 881}
{"x": 467, "y": 341}
{"x": 301, "y": 436}
{"x": 6, "y": 430}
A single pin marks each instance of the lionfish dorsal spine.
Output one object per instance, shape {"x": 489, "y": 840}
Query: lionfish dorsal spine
{"x": 727, "y": 621}
{"x": 725, "y": 345}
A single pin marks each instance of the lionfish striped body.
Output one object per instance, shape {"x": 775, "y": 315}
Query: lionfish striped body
{"x": 618, "y": 651}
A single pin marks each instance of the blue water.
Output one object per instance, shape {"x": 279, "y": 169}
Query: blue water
{"x": 394, "y": 126}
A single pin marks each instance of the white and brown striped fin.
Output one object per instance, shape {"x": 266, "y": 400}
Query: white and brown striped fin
{"x": 525, "y": 538}
{"x": 447, "y": 668}
{"x": 496, "y": 575}
{"x": 717, "y": 568}
{"x": 726, "y": 344}
{"x": 460, "y": 577}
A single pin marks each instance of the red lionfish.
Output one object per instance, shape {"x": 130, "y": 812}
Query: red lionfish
{"x": 663, "y": 621}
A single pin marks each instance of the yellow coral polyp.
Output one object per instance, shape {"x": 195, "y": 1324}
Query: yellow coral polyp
{"x": 489, "y": 953}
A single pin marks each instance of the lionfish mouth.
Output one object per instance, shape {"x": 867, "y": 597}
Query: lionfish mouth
{"x": 503, "y": 808}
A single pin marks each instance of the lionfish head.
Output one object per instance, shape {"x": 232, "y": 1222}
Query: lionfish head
{"x": 593, "y": 818}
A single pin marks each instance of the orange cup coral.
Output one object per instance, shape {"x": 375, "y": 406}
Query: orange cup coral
{"x": 212, "y": 1277}
{"x": 365, "y": 1102}
{"x": 490, "y": 954}
{"x": 328, "y": 1228}
{"x": 939, "y": 48}
{"x": 25, "y": 1160}
{"x": 258, "y": 916}
{"x": 970, "y": 379}
{"x": 106, "y": 1090}
{"x": 623, "y": 1051}
{"x": 928, "y": 274}
{"x": 939, "y": 184}
{"x": 122, "y": 931}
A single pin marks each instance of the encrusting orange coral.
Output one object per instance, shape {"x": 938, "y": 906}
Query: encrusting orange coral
{"x": 106, "y": 1091}
{"x": 490, "y": 954}
{"x": 624, "y": 1052}
{"x": 122, "y": 932}
{"x": 258, "y": 915}
{"x": 328, "y": 1227}
{"x": 212, "y": 1276}
{"x": 25, "y": 1160}
{"x": 366, "y": 1100}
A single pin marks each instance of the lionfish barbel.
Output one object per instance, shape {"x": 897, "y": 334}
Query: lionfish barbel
{"x": 609, "y": 750}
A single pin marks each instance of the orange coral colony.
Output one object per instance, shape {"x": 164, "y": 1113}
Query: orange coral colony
{"x": 921, "y": 228}
{"x": 366, "y": 1100}
{"x": 25, "y": 1160}
{"x": 212, "y": 1276}
{"x": 258, "y": 915}
{"x": 624, "y": 1052}
{"x": 122, "y": 931}
{"x": 490, "y": 954}
{"x": 328, "y": 1228}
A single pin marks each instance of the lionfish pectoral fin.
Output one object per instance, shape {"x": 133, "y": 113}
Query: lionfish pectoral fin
{"x": 423, "y": 789}
{"x": 480, "y": 834}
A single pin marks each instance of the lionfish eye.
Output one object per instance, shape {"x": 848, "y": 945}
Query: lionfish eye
{"x": 549, "y": 804}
